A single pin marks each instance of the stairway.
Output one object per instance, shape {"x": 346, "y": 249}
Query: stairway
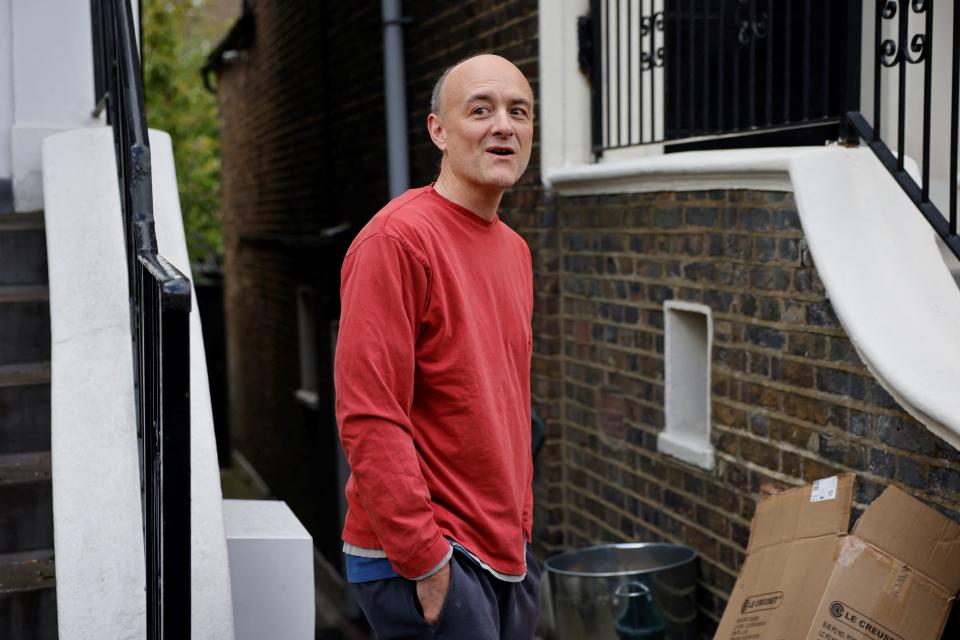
{"x": 28, "y": 607}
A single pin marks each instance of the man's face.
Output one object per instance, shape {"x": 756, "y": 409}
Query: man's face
{"x": 485, "y": 126}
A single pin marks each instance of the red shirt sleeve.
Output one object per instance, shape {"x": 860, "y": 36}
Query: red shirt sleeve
{"x": 384, "y": 291}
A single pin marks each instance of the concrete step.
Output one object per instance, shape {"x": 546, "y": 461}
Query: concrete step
{"x": 28, "y": 598}
{"x": 24, "y": 324}
{"x": 24, "y": 407}
{"x": 23, "y": 249}
{"x": 26, "y": 517}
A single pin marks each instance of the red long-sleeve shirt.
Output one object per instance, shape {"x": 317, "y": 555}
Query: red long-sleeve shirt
{"x": 432, "y": 378}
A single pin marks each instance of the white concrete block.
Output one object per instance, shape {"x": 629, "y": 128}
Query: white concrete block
{"x": 98, "y": 531}
{"x": 271, "y": 571}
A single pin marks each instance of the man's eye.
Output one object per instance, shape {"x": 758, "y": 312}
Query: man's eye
{"x": 520, "y": 112}
{"x": 481, "y": 110}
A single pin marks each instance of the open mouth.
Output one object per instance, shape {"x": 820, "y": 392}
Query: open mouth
{"x": 501, "y": 151}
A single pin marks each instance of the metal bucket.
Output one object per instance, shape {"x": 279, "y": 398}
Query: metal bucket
{"x": 640, "y": 591}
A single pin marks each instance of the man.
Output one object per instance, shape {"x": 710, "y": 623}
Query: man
{"x": 433, "y": 381}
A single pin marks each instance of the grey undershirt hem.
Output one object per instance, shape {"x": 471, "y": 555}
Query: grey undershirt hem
{"x": 380, "y": 553}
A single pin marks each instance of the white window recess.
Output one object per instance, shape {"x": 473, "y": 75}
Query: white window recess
{"x": 687, "y": 347}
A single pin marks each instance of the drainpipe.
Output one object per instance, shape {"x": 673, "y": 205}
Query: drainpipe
{"x": 395, "y": 91}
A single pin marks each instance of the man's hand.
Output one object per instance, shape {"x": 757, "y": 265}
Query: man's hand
{"x": 432, "y": 591}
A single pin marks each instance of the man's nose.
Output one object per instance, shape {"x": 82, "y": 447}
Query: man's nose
{"x": 502, "y": 124}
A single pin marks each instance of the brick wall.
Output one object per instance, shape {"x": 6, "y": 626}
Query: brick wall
{"x": 791, "y": 401}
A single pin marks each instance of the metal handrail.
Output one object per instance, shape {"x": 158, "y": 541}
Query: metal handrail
{"x": 898, "y": 54}
{"x": 160, "y": 302}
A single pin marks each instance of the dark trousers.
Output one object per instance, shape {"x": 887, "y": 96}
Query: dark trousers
{"x": 478, "y": 606}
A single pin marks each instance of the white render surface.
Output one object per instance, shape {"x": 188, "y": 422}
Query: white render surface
{"x": 271, "y": 566}
{"x": 6, "y": 88}
{"x": 96, "y": 489}
{"x": 763, "y": 169}
{"x": 98, "y": 536}
{"x": 50, "y": 84}
{"x": 877, "y": 256}
{"x": 891, "y": 290}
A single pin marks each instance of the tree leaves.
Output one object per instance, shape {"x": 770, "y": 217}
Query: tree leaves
{"x": 176, "y": 39}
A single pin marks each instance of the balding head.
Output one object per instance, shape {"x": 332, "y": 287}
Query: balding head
{"x": 436, "y": 98}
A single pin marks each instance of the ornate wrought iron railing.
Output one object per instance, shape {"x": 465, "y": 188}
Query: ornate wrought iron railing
{"x": 702, "y": 74}
{"x": 687, "y": 73}
{"x": 160, "y": 301}
{"x": 895, "y": 52}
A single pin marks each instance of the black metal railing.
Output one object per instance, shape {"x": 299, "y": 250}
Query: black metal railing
{"x": 683, "y": 72}
{"x": 702, "y": 74}
{"x": 160, "y": 301}
{"x": 900, "y": 46}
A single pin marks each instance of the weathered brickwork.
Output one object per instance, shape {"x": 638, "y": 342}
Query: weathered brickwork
{"x": 791, "y": 401}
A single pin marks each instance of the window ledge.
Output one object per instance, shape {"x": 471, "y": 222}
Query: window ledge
{"x": 682, "y": 447}
{"x": 760, "y": 169}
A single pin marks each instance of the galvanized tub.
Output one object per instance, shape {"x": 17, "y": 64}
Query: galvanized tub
{"x": 638, "y": 591}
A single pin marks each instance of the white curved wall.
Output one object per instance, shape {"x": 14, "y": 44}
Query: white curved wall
{"x": 892, "y": 292}
{"x": 97, "y": 523}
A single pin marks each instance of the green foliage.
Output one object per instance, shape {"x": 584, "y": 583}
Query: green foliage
{"x": 174, "y": 49}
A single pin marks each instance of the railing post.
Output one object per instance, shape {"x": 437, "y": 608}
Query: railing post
{"x": 596, "y": 81}
{"x": 160, "y": 300}
{"x": 851, "y": 70}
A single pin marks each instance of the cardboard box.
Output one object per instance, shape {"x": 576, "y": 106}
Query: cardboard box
{"x": 804, "y": 578}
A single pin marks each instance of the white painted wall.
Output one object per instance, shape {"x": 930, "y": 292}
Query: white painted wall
{"x": 564, "y": 101}
{"x": 52, "y": 64}
{"x": 98, "y": 534}
{"x": 97, "y": 520}
{"x": 6, "y": 88}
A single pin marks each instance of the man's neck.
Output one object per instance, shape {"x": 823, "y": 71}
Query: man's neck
{"x": 482, "y": 203}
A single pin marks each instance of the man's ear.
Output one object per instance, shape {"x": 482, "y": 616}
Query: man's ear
{"x": 437, "y": 131}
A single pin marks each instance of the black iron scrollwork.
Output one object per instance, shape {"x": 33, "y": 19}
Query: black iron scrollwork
{"x": 891, "y": 52}
{"x": 647, "y": 25}
{"x": 751, "y": 24}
